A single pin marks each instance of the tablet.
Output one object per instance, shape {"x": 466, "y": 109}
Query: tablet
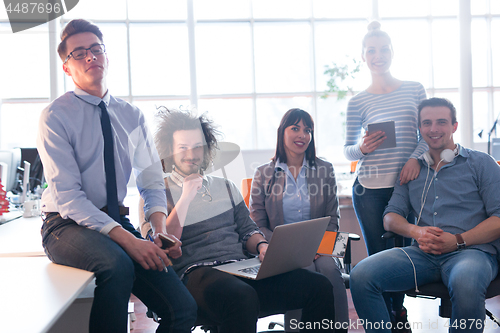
{"x": 390, "y": 132}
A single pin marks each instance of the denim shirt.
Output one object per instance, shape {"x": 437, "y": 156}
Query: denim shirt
{"x": 296, "y": 202}
{"x": 461, "y": 195}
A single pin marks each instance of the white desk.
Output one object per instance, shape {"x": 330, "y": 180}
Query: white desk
{"x": 21, "y": 238}
{"x": 34, "y": 293}
{"x": 51, "y": 288}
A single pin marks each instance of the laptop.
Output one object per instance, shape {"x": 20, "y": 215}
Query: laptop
{"x": 292, "y": 246}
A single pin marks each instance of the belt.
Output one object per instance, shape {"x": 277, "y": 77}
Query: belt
{"x": 123, "y": 210}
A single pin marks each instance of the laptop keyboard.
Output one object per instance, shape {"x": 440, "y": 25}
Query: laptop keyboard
{"x": 250, "y": 270}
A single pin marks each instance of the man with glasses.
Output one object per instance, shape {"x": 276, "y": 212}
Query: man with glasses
{"x": 89, "y": 142}
{"x": 214, "y": 222}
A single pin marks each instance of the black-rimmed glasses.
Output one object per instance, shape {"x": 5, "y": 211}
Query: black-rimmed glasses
{"x": 82, "y": 53}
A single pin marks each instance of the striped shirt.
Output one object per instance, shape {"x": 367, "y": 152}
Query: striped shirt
{"x": 381, "y": 168}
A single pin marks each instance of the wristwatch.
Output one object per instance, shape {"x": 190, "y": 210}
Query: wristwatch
{"x": 460, "y": 242}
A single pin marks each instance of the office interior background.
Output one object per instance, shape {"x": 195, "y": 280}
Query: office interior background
{"x": 247, "y": 62}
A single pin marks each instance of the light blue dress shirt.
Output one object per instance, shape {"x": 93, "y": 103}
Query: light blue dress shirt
{"x": 71, "y": 145}
{"x": 296, "y": 202}
{"x": 464, "y": 193}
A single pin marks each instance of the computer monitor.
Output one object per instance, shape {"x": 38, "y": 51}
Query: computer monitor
{"x": 12, "y": 159}
{"x": 36, "y": 170}
{"x": 26, "y": 181}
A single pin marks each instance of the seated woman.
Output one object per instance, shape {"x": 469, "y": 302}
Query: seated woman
{"x": 297, "y": 186}
{"x": 208, "y": 215}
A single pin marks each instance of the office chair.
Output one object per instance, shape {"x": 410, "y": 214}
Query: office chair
{"x": 246, "y": 185}
{"x": 439, "y": 290}
{"x": 208, "y": 325}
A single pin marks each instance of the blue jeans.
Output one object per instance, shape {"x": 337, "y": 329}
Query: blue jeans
{"x": 466, "y": 273}
{"x": 369, "y": 206}
{"x": 117, "y": 276}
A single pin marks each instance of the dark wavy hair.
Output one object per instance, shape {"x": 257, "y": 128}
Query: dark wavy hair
{"x": 436, "y": 101}
{"x": 293, "y": 117}
{"x": 173, "y": 120}
{"x": 75, "y": 27}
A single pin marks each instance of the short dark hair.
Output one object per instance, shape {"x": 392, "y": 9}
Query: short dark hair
{"x": 170, "y": 121}
{"x": 75, "y": 27}
{"x": 293, "y": 117}
{"x": 436, "y": 101}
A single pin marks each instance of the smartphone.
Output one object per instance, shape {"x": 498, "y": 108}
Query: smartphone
{"x": 166, "y": 241}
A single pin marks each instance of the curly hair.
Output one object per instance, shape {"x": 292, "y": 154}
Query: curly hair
{"x": 173, "y": 120}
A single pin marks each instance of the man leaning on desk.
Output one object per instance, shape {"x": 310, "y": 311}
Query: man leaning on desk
{"x": 89, "y": 142}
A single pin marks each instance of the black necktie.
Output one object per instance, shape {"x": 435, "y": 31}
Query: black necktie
{"x": 109, "y": 165}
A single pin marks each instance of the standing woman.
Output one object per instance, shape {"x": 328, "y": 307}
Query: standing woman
{"x": 297, "y": 186}
{"x": 387, "y": 98}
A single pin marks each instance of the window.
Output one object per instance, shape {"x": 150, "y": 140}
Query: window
{"x": 247, "y": 62}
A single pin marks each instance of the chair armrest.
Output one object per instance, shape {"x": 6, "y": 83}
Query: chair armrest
{"x": 354, "y": 237}
{"x": 347, "y": 257}
{"x": 388, "y": 235}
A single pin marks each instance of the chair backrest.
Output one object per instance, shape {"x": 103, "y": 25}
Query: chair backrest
{"x": 353, "y": 166}
{"x": 246, "y": 184}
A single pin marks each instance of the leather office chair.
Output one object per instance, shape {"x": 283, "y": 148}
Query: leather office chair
{"x": 439, "y": 290}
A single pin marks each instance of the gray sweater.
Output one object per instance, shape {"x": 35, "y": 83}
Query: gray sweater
{"x": 213, "y": 230}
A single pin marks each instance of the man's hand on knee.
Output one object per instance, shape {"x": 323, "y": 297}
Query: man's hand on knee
{"x": 144, "y": 252}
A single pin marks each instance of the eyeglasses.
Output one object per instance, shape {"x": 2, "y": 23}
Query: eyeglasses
{"x": 82, "y": 53}
{"x": 205, "y": 193}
